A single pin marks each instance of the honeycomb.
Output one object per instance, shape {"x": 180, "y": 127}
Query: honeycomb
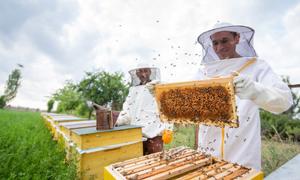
{"x": 207, "y": 102}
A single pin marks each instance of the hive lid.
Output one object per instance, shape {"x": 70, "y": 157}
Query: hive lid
{"x": 209, "y": 102}
{"x": 93, "y": 130}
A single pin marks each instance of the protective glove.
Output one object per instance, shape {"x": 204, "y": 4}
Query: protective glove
{"x": 272, "y": 99}
{"x": 151, "y": 86}
{"x": 123, "y": 119}
{"x": 167, "y": 136}
{"x": 245, "y": 88}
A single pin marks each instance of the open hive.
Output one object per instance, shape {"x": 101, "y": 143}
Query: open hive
{"x": 211, "y": 102}
{"x": 178, "y": 163}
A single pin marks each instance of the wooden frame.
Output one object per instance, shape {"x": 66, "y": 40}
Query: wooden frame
{"x": 225, "y": 83}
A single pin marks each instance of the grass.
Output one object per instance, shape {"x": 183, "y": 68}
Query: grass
{"x": 274, "y": 153}
{"x": 27, "y": 150}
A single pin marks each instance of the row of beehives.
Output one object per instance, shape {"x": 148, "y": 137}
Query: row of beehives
{"x": 94, "y": 149}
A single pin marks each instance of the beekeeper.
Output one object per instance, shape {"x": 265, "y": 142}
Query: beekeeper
{"x": 226, "y": 49}
{"x": 140, "y": 108}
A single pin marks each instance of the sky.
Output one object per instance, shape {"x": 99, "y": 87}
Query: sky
{"x": 59, "y": 40}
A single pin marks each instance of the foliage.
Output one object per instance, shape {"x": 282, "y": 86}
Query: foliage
{"x": 50, "y": 105}
{"x": 12, "y": 85}
{"x": 100, "y": 87}
{"x": 2, "y": 102}
{"x": 295, "y": 108}
{"x": 104, "y": 88}
{"x": 68, "y": 97}
{"x": 28, "y": 151}
{"x": 280, "y": 126}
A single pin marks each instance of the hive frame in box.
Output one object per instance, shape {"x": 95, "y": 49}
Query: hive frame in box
{"x": 185, "y": 164}
{"x": 226, "y": 82}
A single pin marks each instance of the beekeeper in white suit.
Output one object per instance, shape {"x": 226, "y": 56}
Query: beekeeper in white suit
{"x": 140, "y": 108}
{"x": 227, "y": 48}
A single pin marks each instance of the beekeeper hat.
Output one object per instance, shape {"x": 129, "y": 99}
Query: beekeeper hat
{"x": 243, "y": 48}
{"x": 135, "y": 80}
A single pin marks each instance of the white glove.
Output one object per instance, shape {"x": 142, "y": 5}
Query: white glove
{"x": 151, "y": 85}
{"x": 272, "y": 99}
{"x": 245, "y": 88}
{"x": 123, "y": 119}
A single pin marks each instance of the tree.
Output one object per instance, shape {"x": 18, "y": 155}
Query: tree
{"x": 295, "y": 108}
{"x": 50, "y": 105}
{"x": 12, "y": 85}
{"x": 104, "y": 88}
{"x": 68, "y": 97}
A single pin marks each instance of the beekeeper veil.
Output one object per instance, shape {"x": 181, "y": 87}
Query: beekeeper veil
{"x": 143, "y": 73}
{"x": 243, "y": 48}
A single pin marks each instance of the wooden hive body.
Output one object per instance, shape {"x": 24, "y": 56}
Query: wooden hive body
{"x": 181, "y": 163}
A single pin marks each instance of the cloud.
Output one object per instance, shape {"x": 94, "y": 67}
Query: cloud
{"x": 61, "y": 39}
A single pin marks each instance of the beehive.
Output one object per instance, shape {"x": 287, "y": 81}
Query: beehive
{"x": 96, "y": 149}
{"x": 178, "y": 163}
{"x": 210, "y": 102}
{"x": 66, "y": 128}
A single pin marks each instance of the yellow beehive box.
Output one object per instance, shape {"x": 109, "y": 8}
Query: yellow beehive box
{"x": 64, "y": 137}
{"x": 179, "y": 163}
{"x": 96, "y": 149}
{"x": 64, "y": 119}
{"x": 66, "y": 128}
{"x": 210, "y": 102}
{"x": 87, "y": 138}
{"x": 57, "y": 120}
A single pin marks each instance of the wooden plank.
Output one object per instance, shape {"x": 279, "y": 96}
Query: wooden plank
{"x": 169, "y": 166}
{"x": 179, "y": 169}
{"x": 239, "y": 172}
{"x": 152, "y": 164}
{"x": 157, "y": 157}
{"x": 201, "y": 171}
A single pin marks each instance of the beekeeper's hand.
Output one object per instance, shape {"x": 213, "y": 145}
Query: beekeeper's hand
{"x": 272, "y": 99}
{"x": 123, "y": 119}
{"x": 151, "y": 86}
{"x": 245, "y": 88}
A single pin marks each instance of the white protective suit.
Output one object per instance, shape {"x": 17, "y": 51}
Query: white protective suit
{"x": 242, "y": 145}
{"x": 140, "y": 108}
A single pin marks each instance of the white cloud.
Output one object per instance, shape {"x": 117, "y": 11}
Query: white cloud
{"x": 62, "y": 39}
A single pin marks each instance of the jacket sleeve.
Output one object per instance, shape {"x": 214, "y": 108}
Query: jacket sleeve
{"x": 124, "y": 117}
{"x": 273, "y": 94}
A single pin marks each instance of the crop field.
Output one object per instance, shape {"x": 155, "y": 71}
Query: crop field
{"x": 27, "y": 150}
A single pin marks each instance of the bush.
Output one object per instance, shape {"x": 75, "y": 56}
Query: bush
{"x": 2, "y": 102}
{"x": 280, "y": 126}
{"x": 50, "y": 105}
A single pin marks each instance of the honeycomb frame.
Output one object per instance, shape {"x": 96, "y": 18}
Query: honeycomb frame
{"x": 210, "y": 102}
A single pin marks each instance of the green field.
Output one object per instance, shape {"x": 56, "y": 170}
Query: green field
{"x": 27, "y": 150}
